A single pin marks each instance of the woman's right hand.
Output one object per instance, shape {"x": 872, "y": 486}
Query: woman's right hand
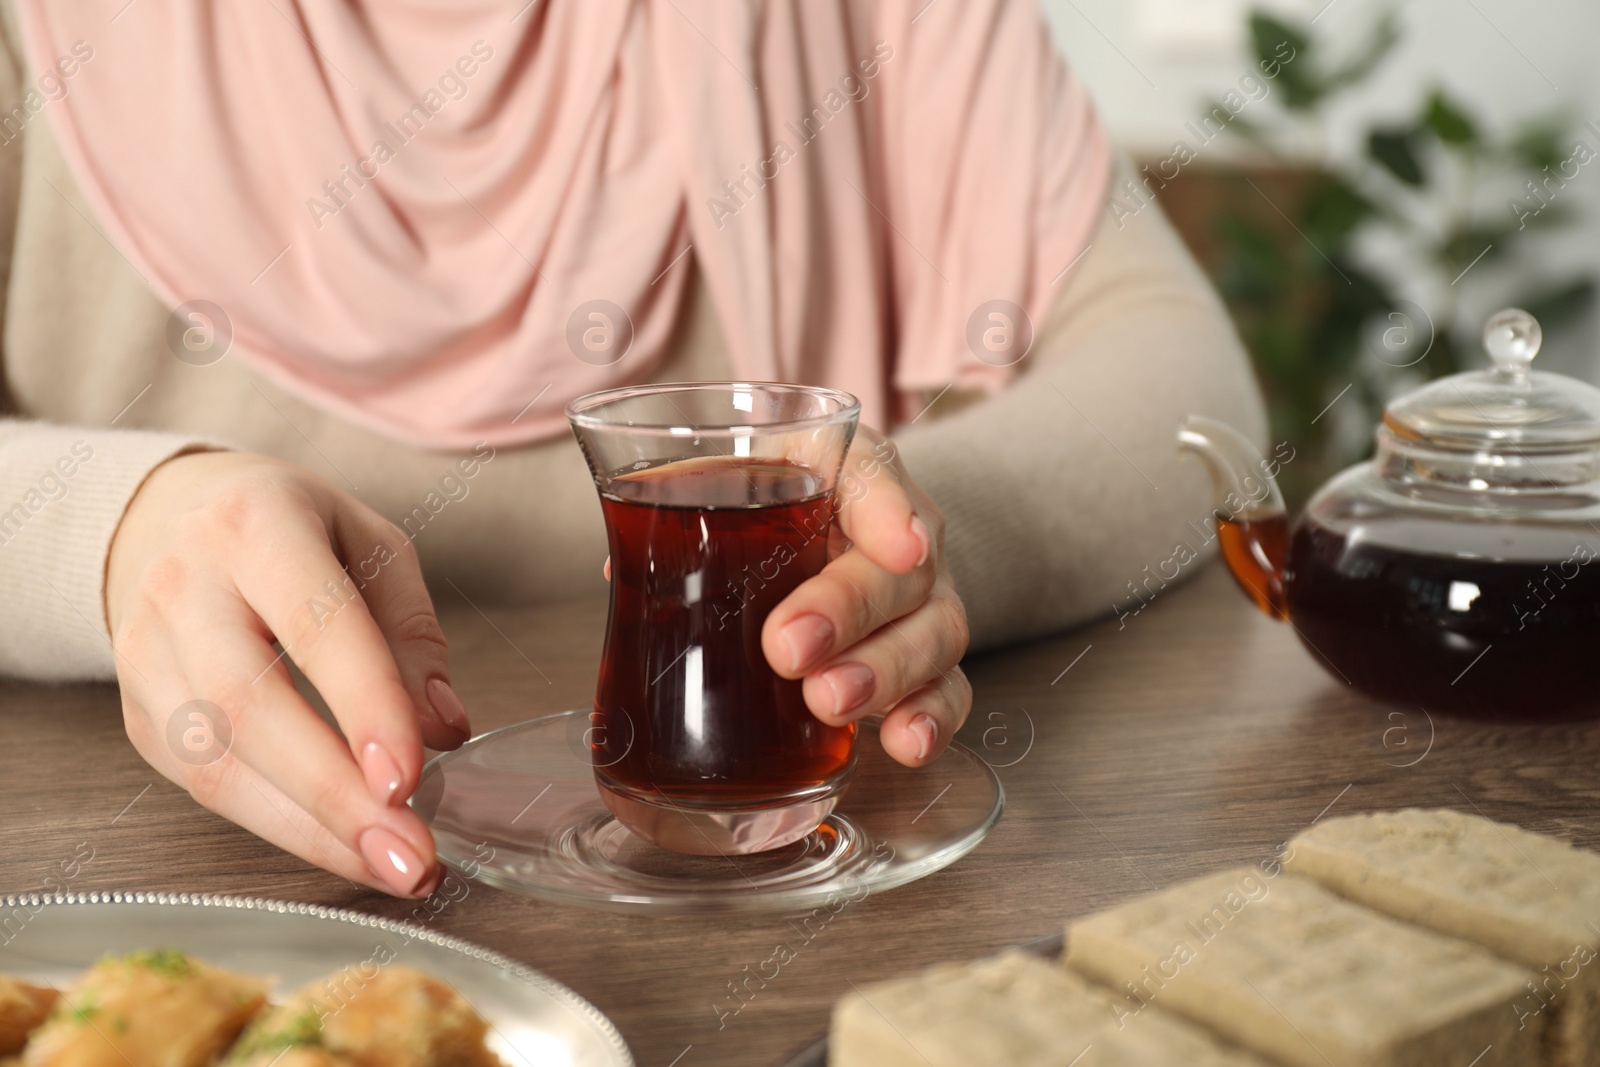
{"x": 219, "y": 555}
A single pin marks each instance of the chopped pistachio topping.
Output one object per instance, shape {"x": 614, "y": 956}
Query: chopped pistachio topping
{"x": 81, "y": 1012}
{"x": 166, "y": 961}
{"x": 298, "y": 1031}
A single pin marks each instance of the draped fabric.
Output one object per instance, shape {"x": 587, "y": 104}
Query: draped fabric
{"x": 444, "y": 219}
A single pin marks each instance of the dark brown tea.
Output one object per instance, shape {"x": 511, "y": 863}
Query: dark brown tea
{"x": 1255, "y": 550}
{"x": 687, "y": 708}
{"x": 1465, "y": 634}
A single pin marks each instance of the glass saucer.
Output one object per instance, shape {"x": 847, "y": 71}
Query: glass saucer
{"x": 518, "y": 809}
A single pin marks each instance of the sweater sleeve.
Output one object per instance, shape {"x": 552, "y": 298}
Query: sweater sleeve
{"x": 1065, "y": 496}
{"x": 63, "y": 491}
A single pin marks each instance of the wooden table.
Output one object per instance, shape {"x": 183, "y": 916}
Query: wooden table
{"x": 1195, "y": 735}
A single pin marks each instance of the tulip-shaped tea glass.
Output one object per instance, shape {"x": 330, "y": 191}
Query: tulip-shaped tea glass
{"x": 719, "y": 499}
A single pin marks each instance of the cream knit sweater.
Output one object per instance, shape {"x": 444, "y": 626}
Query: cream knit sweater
{"x": 1058, "y": 491}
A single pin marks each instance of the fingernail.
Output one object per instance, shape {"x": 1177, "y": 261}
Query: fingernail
{"x": 808, "y": 638}
{"x": 919, "y": 530}
{"x": 396, "y": 862}
{"x": 448, "y": 706}
{"x": 925, "y": 730}
{"x": 431, "y": 886}
{"x": 381, "y": 771}
{"x": 852, "y": 684}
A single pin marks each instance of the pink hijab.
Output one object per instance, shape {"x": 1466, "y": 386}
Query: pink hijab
{"x": 408, "y": 209}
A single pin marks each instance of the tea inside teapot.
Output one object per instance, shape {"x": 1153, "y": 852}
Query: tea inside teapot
{"x": 1451, "y": 572}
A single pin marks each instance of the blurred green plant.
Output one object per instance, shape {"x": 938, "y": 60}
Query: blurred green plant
{"x": 1309, "y": 313}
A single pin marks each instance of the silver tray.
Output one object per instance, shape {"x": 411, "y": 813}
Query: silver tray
{"x": 535, "y": 1020}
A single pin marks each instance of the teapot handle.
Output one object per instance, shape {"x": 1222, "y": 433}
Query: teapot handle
{"x": 1252, "y": 522}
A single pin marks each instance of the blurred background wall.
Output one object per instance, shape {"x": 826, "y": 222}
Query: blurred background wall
{"x": 1369, "y": 201}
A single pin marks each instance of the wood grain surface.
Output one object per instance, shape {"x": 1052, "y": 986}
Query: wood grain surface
{"x": 1194, "y": 735}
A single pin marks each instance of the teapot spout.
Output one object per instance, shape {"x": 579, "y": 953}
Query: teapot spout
{"x": 1252, "y": 523}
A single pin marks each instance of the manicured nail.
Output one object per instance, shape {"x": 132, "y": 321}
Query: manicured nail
{"x": 381, "y": 771}
{"x": 919, "y": 530}
{"x": 808, "y": 637}
{"x": 391, "y": 859}
{"x": 852, "y": 684}
{"x": 925, "y": 730}
{"x": 448, "y": 706}
{"x": 606, "y": 570}
{"x": 431, "y": 886}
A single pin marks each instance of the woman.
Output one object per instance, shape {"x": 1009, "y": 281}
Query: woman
{"x": 298, "y": 289}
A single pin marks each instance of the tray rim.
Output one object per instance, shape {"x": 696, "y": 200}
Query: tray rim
{"x": 521, "y": 971}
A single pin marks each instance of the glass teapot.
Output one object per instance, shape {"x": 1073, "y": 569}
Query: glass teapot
{"x": 1451, "y": 572}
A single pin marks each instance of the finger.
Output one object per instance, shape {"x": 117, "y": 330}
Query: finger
{"x": 278, "y": 735}
{"x": 238, "y": 793}
{"x": 299, "y": 590}
{"x": 876, "y": 510}
{"x": 241, "y": 795}
{"x": 920, "y": 727}
{"x": 876, "y": 673}
{"x": 216, "y": 779}
{"x": 382, "y": 563}
{"x": 840, "y": 605}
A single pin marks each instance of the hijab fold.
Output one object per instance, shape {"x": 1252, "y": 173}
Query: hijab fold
{"x": 444, "y": 220}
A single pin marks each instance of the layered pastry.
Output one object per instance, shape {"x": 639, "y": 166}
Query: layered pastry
{"x": 23, "y": 1007}
{"x": 152, "y": 1009}
{"x": 395, "y": 1017}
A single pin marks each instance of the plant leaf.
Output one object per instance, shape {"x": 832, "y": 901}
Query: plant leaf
{"x": 1385, "y": 35}
{"x": 1393, "y": 149}
{"x": 1551, "y": 215}
{"x": 1236, "y": 123}
{"x": 1286, "y": 49}
{"x": 1540, "y": 144}
{"x": 1570, "y": 301}
{"x": 1466, "y": 247}
{"x": 1254, "y": 271}
{"x": 1448, "y": 122}
{"x": 1271, "y": 34}
{"x": 1330, "y": 211}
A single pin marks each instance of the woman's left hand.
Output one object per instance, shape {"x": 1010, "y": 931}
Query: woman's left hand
{"x": 881, "y": 628}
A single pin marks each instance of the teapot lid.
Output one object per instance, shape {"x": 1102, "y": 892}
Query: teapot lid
{"x": 1509, "y": 407}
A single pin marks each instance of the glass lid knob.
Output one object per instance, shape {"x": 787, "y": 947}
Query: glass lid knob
{"x": 1513, "y": 338}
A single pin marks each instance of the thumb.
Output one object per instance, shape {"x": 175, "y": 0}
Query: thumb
{"x": 877, "y": 511}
